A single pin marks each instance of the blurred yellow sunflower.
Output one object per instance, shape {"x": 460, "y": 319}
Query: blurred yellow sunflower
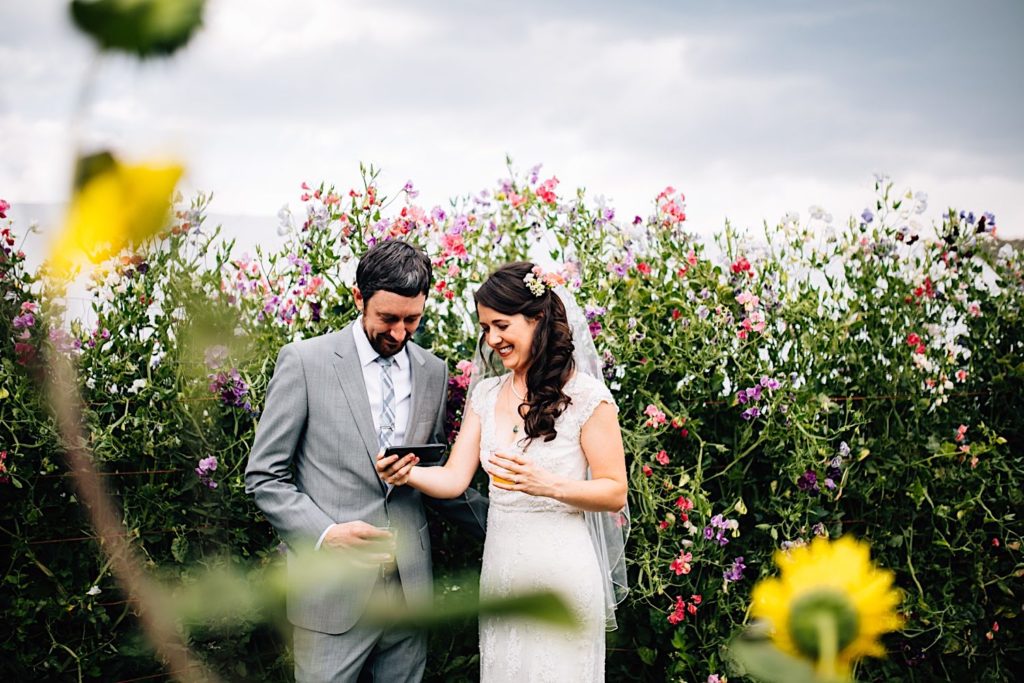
{"x": 829, "y": 604}
{"x": 114, "y": 205}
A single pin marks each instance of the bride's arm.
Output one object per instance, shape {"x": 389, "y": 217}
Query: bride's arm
{"x": 448, "y": 481}
{"x": 605, "y": 491}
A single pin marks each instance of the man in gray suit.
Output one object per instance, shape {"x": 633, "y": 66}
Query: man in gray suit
{"x": 333, "y": 403}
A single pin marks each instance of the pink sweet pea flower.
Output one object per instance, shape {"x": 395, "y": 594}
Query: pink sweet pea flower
{"x": 681, "y": 565}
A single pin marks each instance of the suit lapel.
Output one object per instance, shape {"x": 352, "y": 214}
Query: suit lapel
{"x": 420, "y": 396}
{"x": 350, "y": 376}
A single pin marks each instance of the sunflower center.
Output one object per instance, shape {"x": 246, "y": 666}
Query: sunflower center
{"x": 807, "y": 613}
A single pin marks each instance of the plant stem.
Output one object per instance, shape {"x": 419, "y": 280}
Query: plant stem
{"x": 828, "y": 645}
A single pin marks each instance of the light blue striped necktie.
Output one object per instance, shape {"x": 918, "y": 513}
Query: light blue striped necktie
{"x": 387, "y": 407}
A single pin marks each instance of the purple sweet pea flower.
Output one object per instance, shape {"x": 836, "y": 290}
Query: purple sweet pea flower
{"x": 207, "y": 466}
{"x": 24, "y": 321}
{"x": 735, "y": 572}
{"x": 535, "y": 174}
{"x": 808, "y": 482}
{"x": 231, "y": 388}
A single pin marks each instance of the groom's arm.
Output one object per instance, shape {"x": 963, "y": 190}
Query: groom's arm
{"x": 469, "y": 510}
{"x": 268, "y": 475}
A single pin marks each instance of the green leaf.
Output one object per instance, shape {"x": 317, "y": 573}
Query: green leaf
{"x": 544, "y": 606}
{"x": 179, "y": 549}
{"x": 762, "y": 661}
{"x": 147, "y": 28}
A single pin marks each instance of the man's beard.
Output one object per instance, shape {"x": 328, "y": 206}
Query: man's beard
{"x": 383, "y": 343}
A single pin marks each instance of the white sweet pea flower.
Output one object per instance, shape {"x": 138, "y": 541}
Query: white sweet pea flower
{"x": 95, "y": 590}
{"x": 284, "y": 215}
{"x": 137, "y": 386}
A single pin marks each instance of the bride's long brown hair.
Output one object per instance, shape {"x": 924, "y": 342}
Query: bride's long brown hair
{"x": 551, "y": 361}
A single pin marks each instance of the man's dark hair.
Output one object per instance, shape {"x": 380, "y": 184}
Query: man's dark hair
{"x": 394, "y": 266}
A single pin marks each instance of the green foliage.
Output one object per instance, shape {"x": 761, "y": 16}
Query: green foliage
{"x": 863, "y": 349}
{"x": 146, "y": 28}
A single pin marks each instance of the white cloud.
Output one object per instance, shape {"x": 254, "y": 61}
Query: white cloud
{"x": 254, "y": 32}
{"x": 752, "y": 112}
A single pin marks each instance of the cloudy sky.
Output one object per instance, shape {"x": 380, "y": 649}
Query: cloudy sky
{"x": 752, "y": 108}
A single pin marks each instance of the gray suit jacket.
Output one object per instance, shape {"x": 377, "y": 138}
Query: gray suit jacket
{"x": 312, "y": 464}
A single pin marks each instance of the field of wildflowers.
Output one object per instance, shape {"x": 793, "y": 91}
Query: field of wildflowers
{"x": 825, "y": 378}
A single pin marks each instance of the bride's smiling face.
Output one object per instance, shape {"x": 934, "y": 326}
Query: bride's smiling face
{"x": 511, "y": 336}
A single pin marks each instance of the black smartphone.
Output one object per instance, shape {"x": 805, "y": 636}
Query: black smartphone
{"x": 428, "y": 453}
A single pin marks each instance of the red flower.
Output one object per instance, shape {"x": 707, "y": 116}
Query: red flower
{"x": 676, "y": 314}
{"x": 925, "y": 290}
{"x": 684, "y": 505}
{"x": 681, "y": 607}
{"x": 913, "y": 339}
{"x": 681, "y": 565}
{"x": 647, "y": 470}
{"x": 643, "y": 268}
{"x": 26, "y": 353}
{"x": 663, "y": 524}
{"x": 662, "y": 457}
{"x": 678, "y": 612}
{"x": 546, "y": 190}
{"x": 742, "y": 265}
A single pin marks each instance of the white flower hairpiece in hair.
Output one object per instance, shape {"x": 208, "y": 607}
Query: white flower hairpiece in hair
{"x": 537, "y": 281}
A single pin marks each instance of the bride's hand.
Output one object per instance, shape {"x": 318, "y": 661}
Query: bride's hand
{"x": 523, "y": 474}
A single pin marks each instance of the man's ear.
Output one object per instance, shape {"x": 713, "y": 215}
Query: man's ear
{"x": 357, "y": 296}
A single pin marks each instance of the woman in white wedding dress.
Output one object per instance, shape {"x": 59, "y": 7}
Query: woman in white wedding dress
{"x": 547, "y": 433}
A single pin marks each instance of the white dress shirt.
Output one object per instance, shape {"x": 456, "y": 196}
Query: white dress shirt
{"x": 401, "y": 378}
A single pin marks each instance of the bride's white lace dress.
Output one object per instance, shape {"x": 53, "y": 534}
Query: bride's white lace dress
{"x": 536, "y": 543}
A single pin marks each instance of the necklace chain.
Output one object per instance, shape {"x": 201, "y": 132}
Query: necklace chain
{"x": 512, "y": 386}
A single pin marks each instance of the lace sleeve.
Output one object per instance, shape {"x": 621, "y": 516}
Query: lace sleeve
{"x": 478, "y": 395}
{"x": 592, "y": 393}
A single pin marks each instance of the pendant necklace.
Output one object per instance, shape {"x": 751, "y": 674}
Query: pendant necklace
{"x": 512, "y": 388}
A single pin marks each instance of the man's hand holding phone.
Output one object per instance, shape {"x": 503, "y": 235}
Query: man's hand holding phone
{"x": 394, "y": 468}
